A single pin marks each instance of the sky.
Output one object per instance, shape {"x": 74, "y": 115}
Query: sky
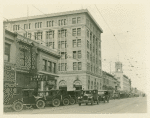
{"x": 123, "y": 37}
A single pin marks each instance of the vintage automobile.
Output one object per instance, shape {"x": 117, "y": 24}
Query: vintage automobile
{"x": 116, "y": 95}
{"x": 74, "y": 96}
{"x": 17, "y": 98}
{"x": 55, "y": 97}
{"x": 103, "y": 95}
{"x": 88, "y": 96}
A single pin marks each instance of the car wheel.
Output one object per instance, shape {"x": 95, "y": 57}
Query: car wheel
{"x": 79, "y": 104}
{"x": 17, "y": 106}
{"x": 40, "y": 104}
{"x": 72, "y": 101}
{"x": 86, "y": 103}
{"x": 56, "y": 102}
{"x": 65, "y": 102}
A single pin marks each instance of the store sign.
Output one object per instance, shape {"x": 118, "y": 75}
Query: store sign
{"x": 40, "y": 78}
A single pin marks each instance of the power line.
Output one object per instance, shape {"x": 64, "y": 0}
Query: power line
{"x": 39, "y": 10}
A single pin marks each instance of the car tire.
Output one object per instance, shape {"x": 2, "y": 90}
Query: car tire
{"x": 72, "y": 101}
{"x": 86, "y": 103}
{"x": 56, "y": 102}
{"x": 18, "y": 106}
{"x": 40, "y": 104}
{"x": 65, "y": 102}
{"x": 79, "y": 104}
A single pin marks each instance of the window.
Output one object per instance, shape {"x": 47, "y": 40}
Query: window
{"x": 50, "y": 23}
{"x": 94, "y": 59}
{"x": 91, "y": 84}
{"x": 74, "y": 54}
{"x": 74, "y": 65}
{"x": 79, "y": 66}
{"x": 90, "y": 47}
{"x": 74, "y": 43}
{"x": 87, "y": 55}
{"x": 62, "y": 33}
{"x": 79, "y": 43}
{"x": 73, "y": 32}
{"x": 38, "y": 25}
{"x": 87, "y": 33}
{"x": 87, "y": 44}
{"x": 16, "y": 27}
{"x": 7, "y": 52}
{"x": 96, "y": 52}
{"x": 44, "y": 64}
{"x": 22, "y": 57}
{"x": 91, "y": 68}
{"x": 99, "y": 53}
{"x": 78, "y": 31}
{"x": 90, "y": 36}
{"x": 25, "y": 26}
{"x": 62, "y": 22}
{"x": 53, "y": 67}
{"x": 88, "y": 66}
{"x": 38, "y": 35}
{"x": 63, "y": 55}
{"x": 29, "y": 35}
{"x": 73, "y": 20}
{"x": 78, "y": 20}
{"x": 62, "y": 44}
{"x": 91, "y": 57}
{"x": 99, "y": 62}
{"x": 79, "y": 54}
{"x": 50, "y": 44}
{"x": 93, "y": 49}
{"x": 49, "y": 34}
{"x": 63, "y": 67}
{"x": 50, "y": 66}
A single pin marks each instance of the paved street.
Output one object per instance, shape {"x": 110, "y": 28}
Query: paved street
{"x": 128, "y": 105}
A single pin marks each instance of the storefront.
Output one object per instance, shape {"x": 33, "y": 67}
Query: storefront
{"x": 44, "y": 82}
{"x": 63, "y": 85}
{"x": 77, "y": 85}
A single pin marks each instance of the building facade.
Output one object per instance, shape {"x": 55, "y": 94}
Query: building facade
{"x": 77, "y": 36}
{"x": 110, "y": 82}
{"x": 125, "y": 82}
{"x": 23, "y": 60}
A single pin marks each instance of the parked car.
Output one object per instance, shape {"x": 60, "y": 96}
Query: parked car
{"x": 55, "y": 97}
{"x": 74, "y": 96}
{"x": 88, "y": 96}
{"x": 103, "y": 95}
{"x": 17, "y": 97}
{"x": 116, "y": 95}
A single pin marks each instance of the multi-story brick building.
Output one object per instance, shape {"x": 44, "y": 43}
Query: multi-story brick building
{"x": 23, "y": 60}
{"x": 110, "y": 82}
{"x": 78, "y": 38}
{"x": 125, "y": 82}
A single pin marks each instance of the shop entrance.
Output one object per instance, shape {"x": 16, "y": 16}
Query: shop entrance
{"x": 77, "y": 85}
{"x": 63, "y": 85}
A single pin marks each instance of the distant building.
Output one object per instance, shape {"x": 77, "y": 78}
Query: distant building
{"x": 125, "y": 82}
{"x": 110, "y": 82}
{"x": 77, "y": 36}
